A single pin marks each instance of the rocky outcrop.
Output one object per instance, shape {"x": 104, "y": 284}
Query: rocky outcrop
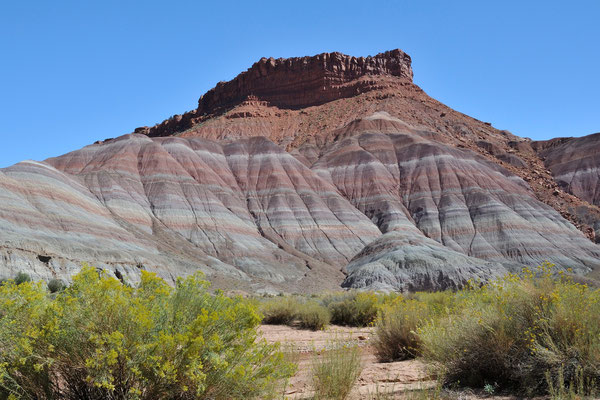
{"x": 406, "y": 263}
{"x": 247, "y": 211}
{"x": 292, "y": 83}
{"x": 305, "y": 81}
{"x": 575, "y": 167}
{"x": 575, "y": 164}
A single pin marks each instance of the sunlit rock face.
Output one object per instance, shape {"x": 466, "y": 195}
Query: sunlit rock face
{"x": 229, "y": 209}
{"x": 418, "y": 189}
{"x": 304, "y": 175}
{"x": 575, "y": 164}
{"x": 575, "y": 167}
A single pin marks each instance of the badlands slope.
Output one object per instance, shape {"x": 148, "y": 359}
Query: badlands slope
{"x": 305, "y": 174}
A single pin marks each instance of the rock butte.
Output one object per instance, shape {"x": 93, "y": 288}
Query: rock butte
{"x": 307, "y": 174}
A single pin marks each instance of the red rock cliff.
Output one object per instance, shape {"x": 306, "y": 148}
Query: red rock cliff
{"x": 292, "y": 83}
{"x": 304, "y": 81}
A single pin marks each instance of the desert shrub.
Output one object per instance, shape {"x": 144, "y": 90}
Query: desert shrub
{"x": 396, "y": 328}
{"x": 100, "y": 339}
{"x": 280, "y": 310}
{"x": 388, "y": 298}
{"x": 312, "y": 315}
{"x": 56, "y": 285}
{"x": 521, "y": 333}
{"x": 439, "y": 303}
{"x": 353, "y": 309}
{"x": 396, "y": 335}
{"x": 336, "y": 371}
{"x": 22, "y": 277}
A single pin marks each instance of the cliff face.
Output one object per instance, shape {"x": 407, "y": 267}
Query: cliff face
{"x": 306, "y": 81}
{"x": 292, "y": 83}
{"x": 305, "y": 174}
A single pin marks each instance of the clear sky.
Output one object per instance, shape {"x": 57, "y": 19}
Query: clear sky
{"x": 73, "y": 72}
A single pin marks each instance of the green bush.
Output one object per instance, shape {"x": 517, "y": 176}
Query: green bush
{"x": 280, "y": 310}
{"x": 396, "y": 336}
{"x": 22, "y": 277}
{"x": 521, "y": 333}
{"x": 312, "y": 315}
{"x": 353, "y": 309}
{"x": 56, "y": 285}
{"x": 99, "y": 339}
{"x": 336, "y": 371}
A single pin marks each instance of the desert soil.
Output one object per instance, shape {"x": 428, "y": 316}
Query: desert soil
{"x": 395, "y": 380}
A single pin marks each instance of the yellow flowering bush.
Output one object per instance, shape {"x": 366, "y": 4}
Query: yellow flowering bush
{"x": 523, "y": 333}
{"x": 100, "y": 339}
{"x": 399, "y": 319}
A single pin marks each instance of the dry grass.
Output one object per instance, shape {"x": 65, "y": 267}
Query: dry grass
{"x": 336, "y": 371}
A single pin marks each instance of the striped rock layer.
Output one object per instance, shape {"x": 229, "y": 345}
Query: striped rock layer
{"x": 377, "y": 186}
{"x": 575, "y": 164}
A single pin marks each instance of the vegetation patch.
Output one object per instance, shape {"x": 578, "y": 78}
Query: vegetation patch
{"x": 22, "y": 277}
{"x": 353, "y": 308}
{"x": 534, "y": 333}
{"x": 314, "y": 316}
{"x": 336, "y": 371}
{"x": 279, "y": 310}
{"x": 528, "y": 333}
{"x": 56, "y": 285}
{"x": 396, "y": 328}
{"x": 100, "y": 339}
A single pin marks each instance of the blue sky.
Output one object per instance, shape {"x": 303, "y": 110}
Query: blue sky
{"x": 73, "y": 72}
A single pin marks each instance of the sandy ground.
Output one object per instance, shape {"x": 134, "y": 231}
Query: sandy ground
{"x": 396, "y": 380}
